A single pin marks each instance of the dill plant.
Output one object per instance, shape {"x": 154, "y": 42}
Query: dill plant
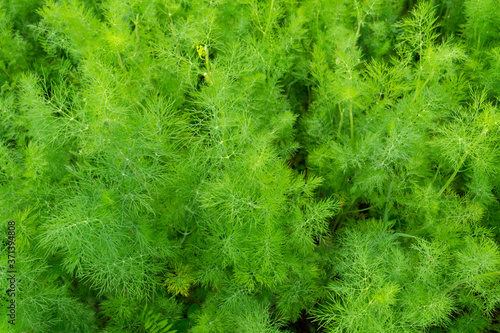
{"x": 246, "y": 166}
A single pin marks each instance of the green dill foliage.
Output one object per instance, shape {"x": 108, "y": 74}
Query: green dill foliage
{"x": 482, "y": 22}
{"x": 44, "y": 302}
{"x": 125, "y": 315}
{"x": 393, "y": 282}
{"x": 251, "y": 166}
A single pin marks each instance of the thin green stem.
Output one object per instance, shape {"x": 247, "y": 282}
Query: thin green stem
{"x": 269, "y": 17}
{"x": 121, "y": 63}
{"x": 336, "y": 224}
{"x": 462, "y": 160}
{"x": 360, "y": 210}
{"x": 419, "y": 89}
{"x": 136, "y": 23}
{"x": 358, "y": 13}
{"x": 454, "y": 286}
{"x": 436, "y": 174}
{"x": 386, "y": 210}
{"x": 209, "y": 74}
{"x": 341, "y": 120}
{"x": 352, "y": 121}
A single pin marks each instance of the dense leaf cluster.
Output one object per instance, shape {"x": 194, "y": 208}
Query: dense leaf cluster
{"x": 251, "y": 166}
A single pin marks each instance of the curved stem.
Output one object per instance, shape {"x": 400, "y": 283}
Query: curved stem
{"x": 462, "y": 160}
{"x": 471, "y": 279}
